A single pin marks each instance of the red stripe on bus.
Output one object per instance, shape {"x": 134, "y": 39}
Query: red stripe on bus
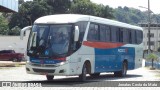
{"x": 61, "y": 59}
{"x": 103, "y": 45}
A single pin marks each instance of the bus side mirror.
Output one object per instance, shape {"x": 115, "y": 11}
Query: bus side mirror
{"x": 23, "y": 30}
{"x": 76, "y": 33}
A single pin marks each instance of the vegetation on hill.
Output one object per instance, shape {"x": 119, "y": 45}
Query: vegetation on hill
{"x": 29, "y": 11}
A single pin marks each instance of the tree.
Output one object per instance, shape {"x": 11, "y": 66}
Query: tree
{"x": 104, "y": 11}
{"x": 59, "y": 6}
{"x": 18, "y": 20}
{"x": 3, "y": 26}
{"x": 14, "y": 31}
{"x": 152, "y": 57}
{"x": 83, "y": 7}
{"x": 20, "y": 1}
{"x": 29, "y": 12}
{"x": 158, "y": 49}
{"x": 88, "y": 8}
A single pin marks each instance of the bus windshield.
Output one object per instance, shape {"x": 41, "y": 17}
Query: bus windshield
{"x": 49, "y": 40}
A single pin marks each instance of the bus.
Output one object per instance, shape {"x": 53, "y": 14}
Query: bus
{"x": 75, "y": 44}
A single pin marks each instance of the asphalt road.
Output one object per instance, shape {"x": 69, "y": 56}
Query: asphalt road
{"x": 104, "y": 80}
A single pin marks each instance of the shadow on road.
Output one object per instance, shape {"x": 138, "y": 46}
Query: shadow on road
{"x": 74, "y": 81}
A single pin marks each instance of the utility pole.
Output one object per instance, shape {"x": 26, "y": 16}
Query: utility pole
{"x": 149, "y": 23}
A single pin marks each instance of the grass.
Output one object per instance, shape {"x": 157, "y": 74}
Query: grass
{"x": 17, "y": 65}
{"x": 147, "y": 68}
{"x": 13, "y": 64}
{"x": 158, "y": 75}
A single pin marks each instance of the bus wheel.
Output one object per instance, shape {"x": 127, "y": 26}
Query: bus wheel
{"x": 95, "y": 75}
{"x": 82, "y": 77}
{"x": 49, "y": 77}
{"x": 123, "y": 72}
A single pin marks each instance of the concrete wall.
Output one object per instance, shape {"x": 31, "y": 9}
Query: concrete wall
{"x": 14, "y": 43}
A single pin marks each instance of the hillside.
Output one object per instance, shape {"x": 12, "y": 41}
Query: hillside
{"x": 134, "y": 16}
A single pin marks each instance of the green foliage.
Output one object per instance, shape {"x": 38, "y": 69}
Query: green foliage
{"x": 18, "y": 20}
{"x": 3, "y": 26}
{"x": 29, "y": 12}
{"x": 88, "y": 8}
{"x": 83, "y": 7}
{"x": 152, "y": 56}
{"x": 104, "y": 11}
{"x": 158, "y": 49}
{"x": 20, "y": 1}
{"x": 134, "y": 16}
{"x": 14, "y": 31}
{"x": 59, "y": 6}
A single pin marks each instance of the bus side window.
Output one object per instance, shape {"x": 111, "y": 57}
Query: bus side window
{"x": 121, "y": 34}
{"x": 82, "y": 27}
{"x": 108, "y": 34}
{"x": 117, "y": 34}
{"x": 126, "y": 36}
{"x": 130, "y": 37}
{"x": 139, "y": 36}
{"x": 133, "y": 36}
{"x": 102, "y": 33}
{"x": 113, "y": 34}
{"x": 93, "y": 34}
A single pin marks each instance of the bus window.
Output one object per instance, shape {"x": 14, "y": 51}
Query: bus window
{"x": 129, "y": 37}
{"x": 121, "y": 35}
{"x": 108, "y": 33}
{"x": 93, "y": 34}
{"x": 126, "y": 36}
{"x": 115, "y": 34}
{"x": 133, "y": 36}
{"x": 82, "y": 27}
{"x": 139, "y": 35}
{"x": 102, "y": 33}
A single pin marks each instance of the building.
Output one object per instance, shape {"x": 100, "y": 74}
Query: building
{"x": 8, "y": 5}
{"x": 154, "y": 35}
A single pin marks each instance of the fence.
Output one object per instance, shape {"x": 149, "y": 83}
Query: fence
{"x": 155, "y": 64}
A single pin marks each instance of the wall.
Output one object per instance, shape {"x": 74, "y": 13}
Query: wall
{"x": 14, "y": 43}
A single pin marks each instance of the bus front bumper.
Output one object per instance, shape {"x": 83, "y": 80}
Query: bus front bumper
{"x": 60, "y": 70}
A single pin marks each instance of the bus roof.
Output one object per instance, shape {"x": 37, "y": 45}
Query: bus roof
{"x": 73, "y": 18}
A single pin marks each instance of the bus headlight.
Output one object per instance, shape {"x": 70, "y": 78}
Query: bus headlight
{"x": 62, "y": 63}
{"x": 27, "y": 60}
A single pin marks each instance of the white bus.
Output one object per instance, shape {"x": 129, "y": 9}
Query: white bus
{"x": 73, "y": 44}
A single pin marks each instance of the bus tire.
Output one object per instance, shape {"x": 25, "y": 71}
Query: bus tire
{"x": 95, "y": 74}
{"x": 82, "y": 77}
{"x": 123, "y": 72}
{"x": 49, "y": 77}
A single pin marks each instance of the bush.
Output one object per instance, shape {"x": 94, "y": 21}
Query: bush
{"x": 15, "y": 31}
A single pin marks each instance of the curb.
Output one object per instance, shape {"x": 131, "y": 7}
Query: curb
{"x": 11, "y": 64}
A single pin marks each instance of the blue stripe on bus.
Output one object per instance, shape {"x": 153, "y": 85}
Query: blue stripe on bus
{"x": 111, "y": 59}
{"x": 44, "y": 61}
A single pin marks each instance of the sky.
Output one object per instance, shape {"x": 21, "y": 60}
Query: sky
{"x": 154, "y": 4}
